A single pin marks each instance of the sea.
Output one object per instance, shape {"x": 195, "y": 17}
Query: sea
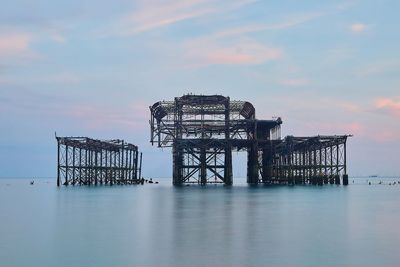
{"x": 214, "y": 225}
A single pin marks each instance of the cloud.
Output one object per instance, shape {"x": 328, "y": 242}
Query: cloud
{"x": 346, "y": 5}
{"x": 388, "y": 105}
{"x": 12, "y": 44}
{"x": 201, "y": 52}
{"x": 349, "y": 106}
{"x": 358, "y": 27}
{"x": 288, "y": 23}
{"x": 151, "y": 15}
{"x": 15, "y": 47}
{"x": 232, "y": 46}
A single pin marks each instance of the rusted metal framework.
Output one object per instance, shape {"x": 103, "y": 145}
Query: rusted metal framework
{"x": 87, "y": 161}
{"x": 204, "y": 130}
{"x": 315, "y": 160}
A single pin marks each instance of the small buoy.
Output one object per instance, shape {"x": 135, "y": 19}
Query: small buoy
{"x": 32, "y": 182}
{"x": 369, "y": 183}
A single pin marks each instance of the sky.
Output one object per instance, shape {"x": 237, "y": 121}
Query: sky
{"x": 93, "y": 68}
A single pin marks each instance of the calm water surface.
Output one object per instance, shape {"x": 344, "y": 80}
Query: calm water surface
{"x": 161, "y": 225}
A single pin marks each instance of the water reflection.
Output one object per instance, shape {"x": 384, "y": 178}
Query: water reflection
{"x": 161, "y": 225}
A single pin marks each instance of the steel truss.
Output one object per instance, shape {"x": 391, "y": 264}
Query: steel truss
{"x": 315, "y": 160}
{"x": 86, "y": 161}
{"x": 202, "y": 161}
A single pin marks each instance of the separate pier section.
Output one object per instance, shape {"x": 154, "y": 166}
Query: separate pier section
{"x": 87, "y": 161}
{"x": 315, "y": 160}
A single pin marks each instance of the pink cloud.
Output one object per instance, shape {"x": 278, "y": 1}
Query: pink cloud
{"x": 202, "y": 52}
{"x": 15, "y": 47}
{"x": 349, "y": 106}
{"x": 387, "y": 135}
{"x": 150, "y": 15}
{"x": 389, "y": 105}
{"x": 288, "y": 23}
{"x": 14, "y": 43}
{"x": 358, "y": 27}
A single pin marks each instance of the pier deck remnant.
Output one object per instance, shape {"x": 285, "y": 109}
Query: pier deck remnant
{"x": 203, "y": 130}
{"x": 87, "y": 161}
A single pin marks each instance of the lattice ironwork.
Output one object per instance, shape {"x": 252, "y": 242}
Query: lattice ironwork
{"x": 203, "y": 131}
{"x": 87, "y": 161}
{"x": 317, "y": 159}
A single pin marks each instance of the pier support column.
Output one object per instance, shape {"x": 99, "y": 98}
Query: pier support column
{"x": 252, "y": 164}
{"x": 337, "y": 179}
{"x": 345, "y": 179}
{"x": 177, "y": 165}
{"x": 203, "y": 166}
{"x": 228, "y": 166}
{"x": 267, "y": 164}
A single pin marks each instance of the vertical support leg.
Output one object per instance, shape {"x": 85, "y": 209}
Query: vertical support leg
{"x": 73, "y": 166}
{"x": 112, "y": 165}
{"x": 228, "y": 165}
{"x": 337, "y": 160}
{"x": 96, "y": 167}
{"x": 267, "y": 164}
{"x": 177, "y": 164}
{"x": 80, "y": 166}
{"x": 252, "y": 164}
{"x": 203, "y": 166}
{"x": 140, "y": 166}
{"x": 345, "y": 157}
{"x": 66, "y": 165}
{"x": 58, "y": 163}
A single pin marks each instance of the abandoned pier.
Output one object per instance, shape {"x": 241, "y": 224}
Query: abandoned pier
{"x": 203, "y": 131}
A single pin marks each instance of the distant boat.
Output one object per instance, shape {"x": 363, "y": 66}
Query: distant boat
{"x": 373, "y": 176}
{"x": 32, "y": 182}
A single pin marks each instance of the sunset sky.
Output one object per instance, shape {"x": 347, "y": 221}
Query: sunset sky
{"x": 92, "y": 68}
